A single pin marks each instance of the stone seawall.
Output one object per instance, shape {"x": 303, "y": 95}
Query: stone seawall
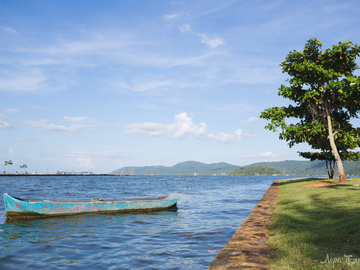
{"x": 248, "y": 248}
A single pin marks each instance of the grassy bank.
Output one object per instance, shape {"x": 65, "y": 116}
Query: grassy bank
{"x": 316, "y": 228}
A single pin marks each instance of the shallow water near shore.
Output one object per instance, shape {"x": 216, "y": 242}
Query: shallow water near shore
{"x": 156, "y": 240}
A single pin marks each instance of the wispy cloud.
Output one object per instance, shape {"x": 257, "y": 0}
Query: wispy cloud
{"x": 9, "y": 29}
{"x": 30, "y": 80}
{"x": 13, "y": 110}
{"x": 4, "y": 122}
{"x": 223, "y": 137}
{"x": 211, "y": 42}
{"x": 183, "y": 125}
{"x": 250, "y": 120}
{"x": 143, "y": 84}
{"x": 185, "y": 28}
{"x": 260, "y": 155}
{"x": 81, "y": 119}
{"x": 83, "y": 123}
{"x": 171, "y": 16}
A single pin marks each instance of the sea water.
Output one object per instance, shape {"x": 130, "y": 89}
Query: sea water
{"x": 187, "y": 238}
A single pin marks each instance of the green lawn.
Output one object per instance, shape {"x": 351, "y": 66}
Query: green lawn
{"x": 316, "y": 228}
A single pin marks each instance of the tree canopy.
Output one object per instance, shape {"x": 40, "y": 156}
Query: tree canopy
{"x": 325, "y": 96}
{"x": 7, "y": 163}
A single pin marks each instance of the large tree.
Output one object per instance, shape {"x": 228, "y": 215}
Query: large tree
{"x": 7, "y": 163}
{"x": 325, "y": 94}
{"x": 344, "y": 144}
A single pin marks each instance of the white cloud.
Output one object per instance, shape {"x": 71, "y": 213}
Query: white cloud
{"x": 260, "y": 155}
{"x": 3, "y": 122}
{"x": 185, "y": 28}
{"x": 183, "y": 125}
{"x": 13, "y": 110}
{"x": 82, "y": 124}
{"x": 149, "y": 129}
{"x": 212, "y": 43}
{"x": 9, "y": 29}
{"x": 223, "y": 137}
{"x": 171, "y": 16}
{"x": 81, "y": 119}
{"x": 33, "y": 79}
{"x": 250, "y": 119}
{"x": 140, "y": 85}
{"x": 11, "y": 151}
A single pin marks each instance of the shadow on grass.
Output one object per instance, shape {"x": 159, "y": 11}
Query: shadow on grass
{"x": 304, "y": 180}
{"x": 316, "y": 224}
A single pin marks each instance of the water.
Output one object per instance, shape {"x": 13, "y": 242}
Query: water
{"x": 127, "y": 241}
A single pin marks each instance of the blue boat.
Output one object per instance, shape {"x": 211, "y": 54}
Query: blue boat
{"x": 37, "y": 208}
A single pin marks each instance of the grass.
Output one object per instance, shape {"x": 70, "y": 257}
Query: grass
{"x": 316, "y": 228}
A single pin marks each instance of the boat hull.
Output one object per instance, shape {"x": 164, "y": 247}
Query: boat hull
{"x": 37, "y": 208}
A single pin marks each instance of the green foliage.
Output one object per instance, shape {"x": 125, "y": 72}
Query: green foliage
{"x": 7, "y": 163}
{"x": 23, "y": 167}
{"x": 256, "y": 170}
{"x": 322, "y": 87}
{"x": 297, "y": 167}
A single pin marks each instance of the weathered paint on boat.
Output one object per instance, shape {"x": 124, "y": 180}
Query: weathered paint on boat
{"x": 35, "y": 208}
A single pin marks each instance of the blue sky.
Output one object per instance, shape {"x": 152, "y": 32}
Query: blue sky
{"x": 98, "y": 85}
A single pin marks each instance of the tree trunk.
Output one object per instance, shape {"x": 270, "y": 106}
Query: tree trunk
{"x": 334, "y": 150}
{"x": 331, "y": 170}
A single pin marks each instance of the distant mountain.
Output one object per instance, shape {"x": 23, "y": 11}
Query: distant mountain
{"x": 287, "y": 167}
{"x": 295, "y": 167}
{"x": 183, "y": 168}
{"x": 256, "y": 170}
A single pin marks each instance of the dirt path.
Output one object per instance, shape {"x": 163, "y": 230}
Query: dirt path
{"x": 248, "y": 248}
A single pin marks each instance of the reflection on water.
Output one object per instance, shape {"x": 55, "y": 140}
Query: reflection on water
{"x": 155, "y": 240}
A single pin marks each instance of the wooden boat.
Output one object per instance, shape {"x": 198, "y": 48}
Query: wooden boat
{"x": 37, "y": 208}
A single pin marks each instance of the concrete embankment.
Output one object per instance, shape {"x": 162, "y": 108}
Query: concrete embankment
{"x": 248, "y": 248}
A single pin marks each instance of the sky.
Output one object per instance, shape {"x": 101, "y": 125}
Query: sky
{"x": 99, "y": 85}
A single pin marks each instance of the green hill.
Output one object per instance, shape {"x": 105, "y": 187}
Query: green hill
{"x": 256, "y": 170}
{"x": 287, "y": 167}
{"x": 183, "y": 168}
{"x": 294, "y": 167}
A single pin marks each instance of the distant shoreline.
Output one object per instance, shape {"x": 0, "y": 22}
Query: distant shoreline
{"x": 68, "y": 174}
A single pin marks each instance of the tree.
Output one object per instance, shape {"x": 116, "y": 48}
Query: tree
{"x": 326, "y": 96}
{"x": 328, "y": 157}
{"x": 7, "y": 163}
{"x": 343, "y": 144}
{"x": 25, "y": 166}
{"x": 22, "y": 167}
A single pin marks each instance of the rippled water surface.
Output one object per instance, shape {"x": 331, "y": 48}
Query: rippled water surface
{"x": 127, "y": 241}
